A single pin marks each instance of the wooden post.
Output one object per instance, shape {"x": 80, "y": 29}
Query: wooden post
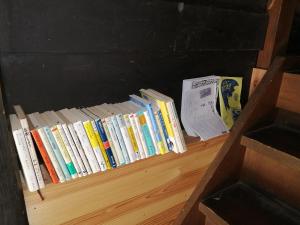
{"x": 281, "y": 15}
{"x": 12, "y": 206}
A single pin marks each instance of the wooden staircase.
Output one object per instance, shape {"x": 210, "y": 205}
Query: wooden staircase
{"x": 255, "y": 178}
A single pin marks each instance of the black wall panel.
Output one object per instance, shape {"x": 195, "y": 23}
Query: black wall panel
{"x": 53, "y": 81}
{"x": 105, "y": 26}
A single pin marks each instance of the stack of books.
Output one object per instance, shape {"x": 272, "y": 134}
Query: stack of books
{"x": 78, "y": 142}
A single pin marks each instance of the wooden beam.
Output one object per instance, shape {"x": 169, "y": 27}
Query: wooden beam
{"x": 281, "y": 15}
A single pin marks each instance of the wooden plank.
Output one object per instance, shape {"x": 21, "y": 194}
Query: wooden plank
{"x": 256, "y": 77}
{"x": 281, "y": 157}
{"x": 210, "y": 216}
{"x": 281, "y": 14}
{"x": 228, "y": 162}
{"x": 270, "y": 174}
{"x": 128, "y": 195}
{"x": 289, "y": 93}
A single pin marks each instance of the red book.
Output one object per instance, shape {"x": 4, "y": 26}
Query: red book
{"x": 45, "y": 156}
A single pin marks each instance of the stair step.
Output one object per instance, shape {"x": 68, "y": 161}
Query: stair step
{"x": 242, "y": 204}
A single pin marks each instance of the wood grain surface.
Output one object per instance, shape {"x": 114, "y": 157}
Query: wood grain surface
{"x": 150, "y": 191}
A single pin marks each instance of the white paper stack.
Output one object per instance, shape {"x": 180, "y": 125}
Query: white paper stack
{"x": 198, "y": 108}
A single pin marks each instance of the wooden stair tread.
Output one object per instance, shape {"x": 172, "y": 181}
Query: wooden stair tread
{"x": 275, "y": 136}
{"x": 242, "y": 204}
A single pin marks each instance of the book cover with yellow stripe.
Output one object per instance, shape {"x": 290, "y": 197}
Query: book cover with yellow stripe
{"x": 94, "y": 143}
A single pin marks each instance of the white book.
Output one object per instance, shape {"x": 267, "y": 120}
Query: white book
{"x": 87, "y": 123}
{"x": 38, "y": 125}
{"x": 23, "y": 153}
{"x": 70, "y": 146}
{"x": 125, "y": 110}
{"x": 134, "y": 110}
{"x": 84, "y": 140}
{"x": 174, "y": 121}
{"x": 25, "y": 126}
{"x": 73, "y": 139}
{"x": 59, "y": 141}
{"x": 113, "y": 134}
{"x": 101, "y": 116}
{"x": 121, "y": 120}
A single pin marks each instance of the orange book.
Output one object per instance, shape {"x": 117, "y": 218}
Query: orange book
{"x": 45, "y": 156}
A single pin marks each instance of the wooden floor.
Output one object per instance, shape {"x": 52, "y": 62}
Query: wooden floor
{"x": 150, "y": 191}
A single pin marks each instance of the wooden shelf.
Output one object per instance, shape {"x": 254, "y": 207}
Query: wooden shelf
{"x": 242, "y": 204}
{"x": 150, "y": 191}
{"x": 289, "y": 160}
{"x": 278, "y": 137}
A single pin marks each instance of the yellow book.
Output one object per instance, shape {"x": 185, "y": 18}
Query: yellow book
{"x": 131, "y": 134}
{"x": 230, "y": 94}
{"x": 102, "y": 148}
{"x": 166, "y": 118}
{"x": 94, "y": 143}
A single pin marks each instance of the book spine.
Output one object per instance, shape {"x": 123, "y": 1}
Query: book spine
{"x": 94, "y": 143}
{"x": 119, "y": 128}
{"x": 148, "y": 121}
{"x": 177, "y": 128}
{"x": 141, "y": 135}
{"x": 106, "y": 144}
{"x": 86, "y": 168}
{"x": 25, "y": 160}
{"x": 115, "y": 140}
{"x": 64, "y": 152}
{"x": 132, "y": 137}
{"x": 32, "y": 153}
{"x": 110, "y": 141}
{"x": 130, "y": 152}
{"x": 57, "y": 153}
{"x": 107, "y": 163}
{"x": 165, "y": 132}
{"x": 69, "y": 149}
{"x": 146, "y": 134}
{"x": 159, "y": 143}
{"x": 166, "y": 118}
{"x": 45, "y": 156}
{"x": 160, "y": 128}
{"x": 51, "y": 155}
{"x": 80, "y": 131}
{"x": 141, "y": 153}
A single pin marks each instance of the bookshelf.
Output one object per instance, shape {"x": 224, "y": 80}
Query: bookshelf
{"x": 139, "y": 192}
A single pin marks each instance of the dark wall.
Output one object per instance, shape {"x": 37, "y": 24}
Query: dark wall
{"x": 57, "y": 54}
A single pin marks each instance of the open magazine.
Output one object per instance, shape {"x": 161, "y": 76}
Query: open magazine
{"x": 198, "y": 109}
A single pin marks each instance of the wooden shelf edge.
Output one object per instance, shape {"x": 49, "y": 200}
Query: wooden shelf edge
{"x": 137, "y": 191}
{"x": 193, "y": 144}
{"x": 210, "y": 216}
{"x": 280, "y": 156}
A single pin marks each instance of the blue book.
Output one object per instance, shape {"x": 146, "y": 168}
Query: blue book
{"x": 162, "y": 122}
{"x": 148, "y": 105}
{"x": 145, "y": 130}
{"x": 57, "y": 153}
{"x": 104, "y": 139}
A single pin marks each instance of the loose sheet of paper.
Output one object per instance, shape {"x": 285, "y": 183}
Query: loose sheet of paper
{"x": 198, "y": 109}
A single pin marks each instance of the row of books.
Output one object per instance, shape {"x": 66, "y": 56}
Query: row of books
{"x": 77, "y": 142}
